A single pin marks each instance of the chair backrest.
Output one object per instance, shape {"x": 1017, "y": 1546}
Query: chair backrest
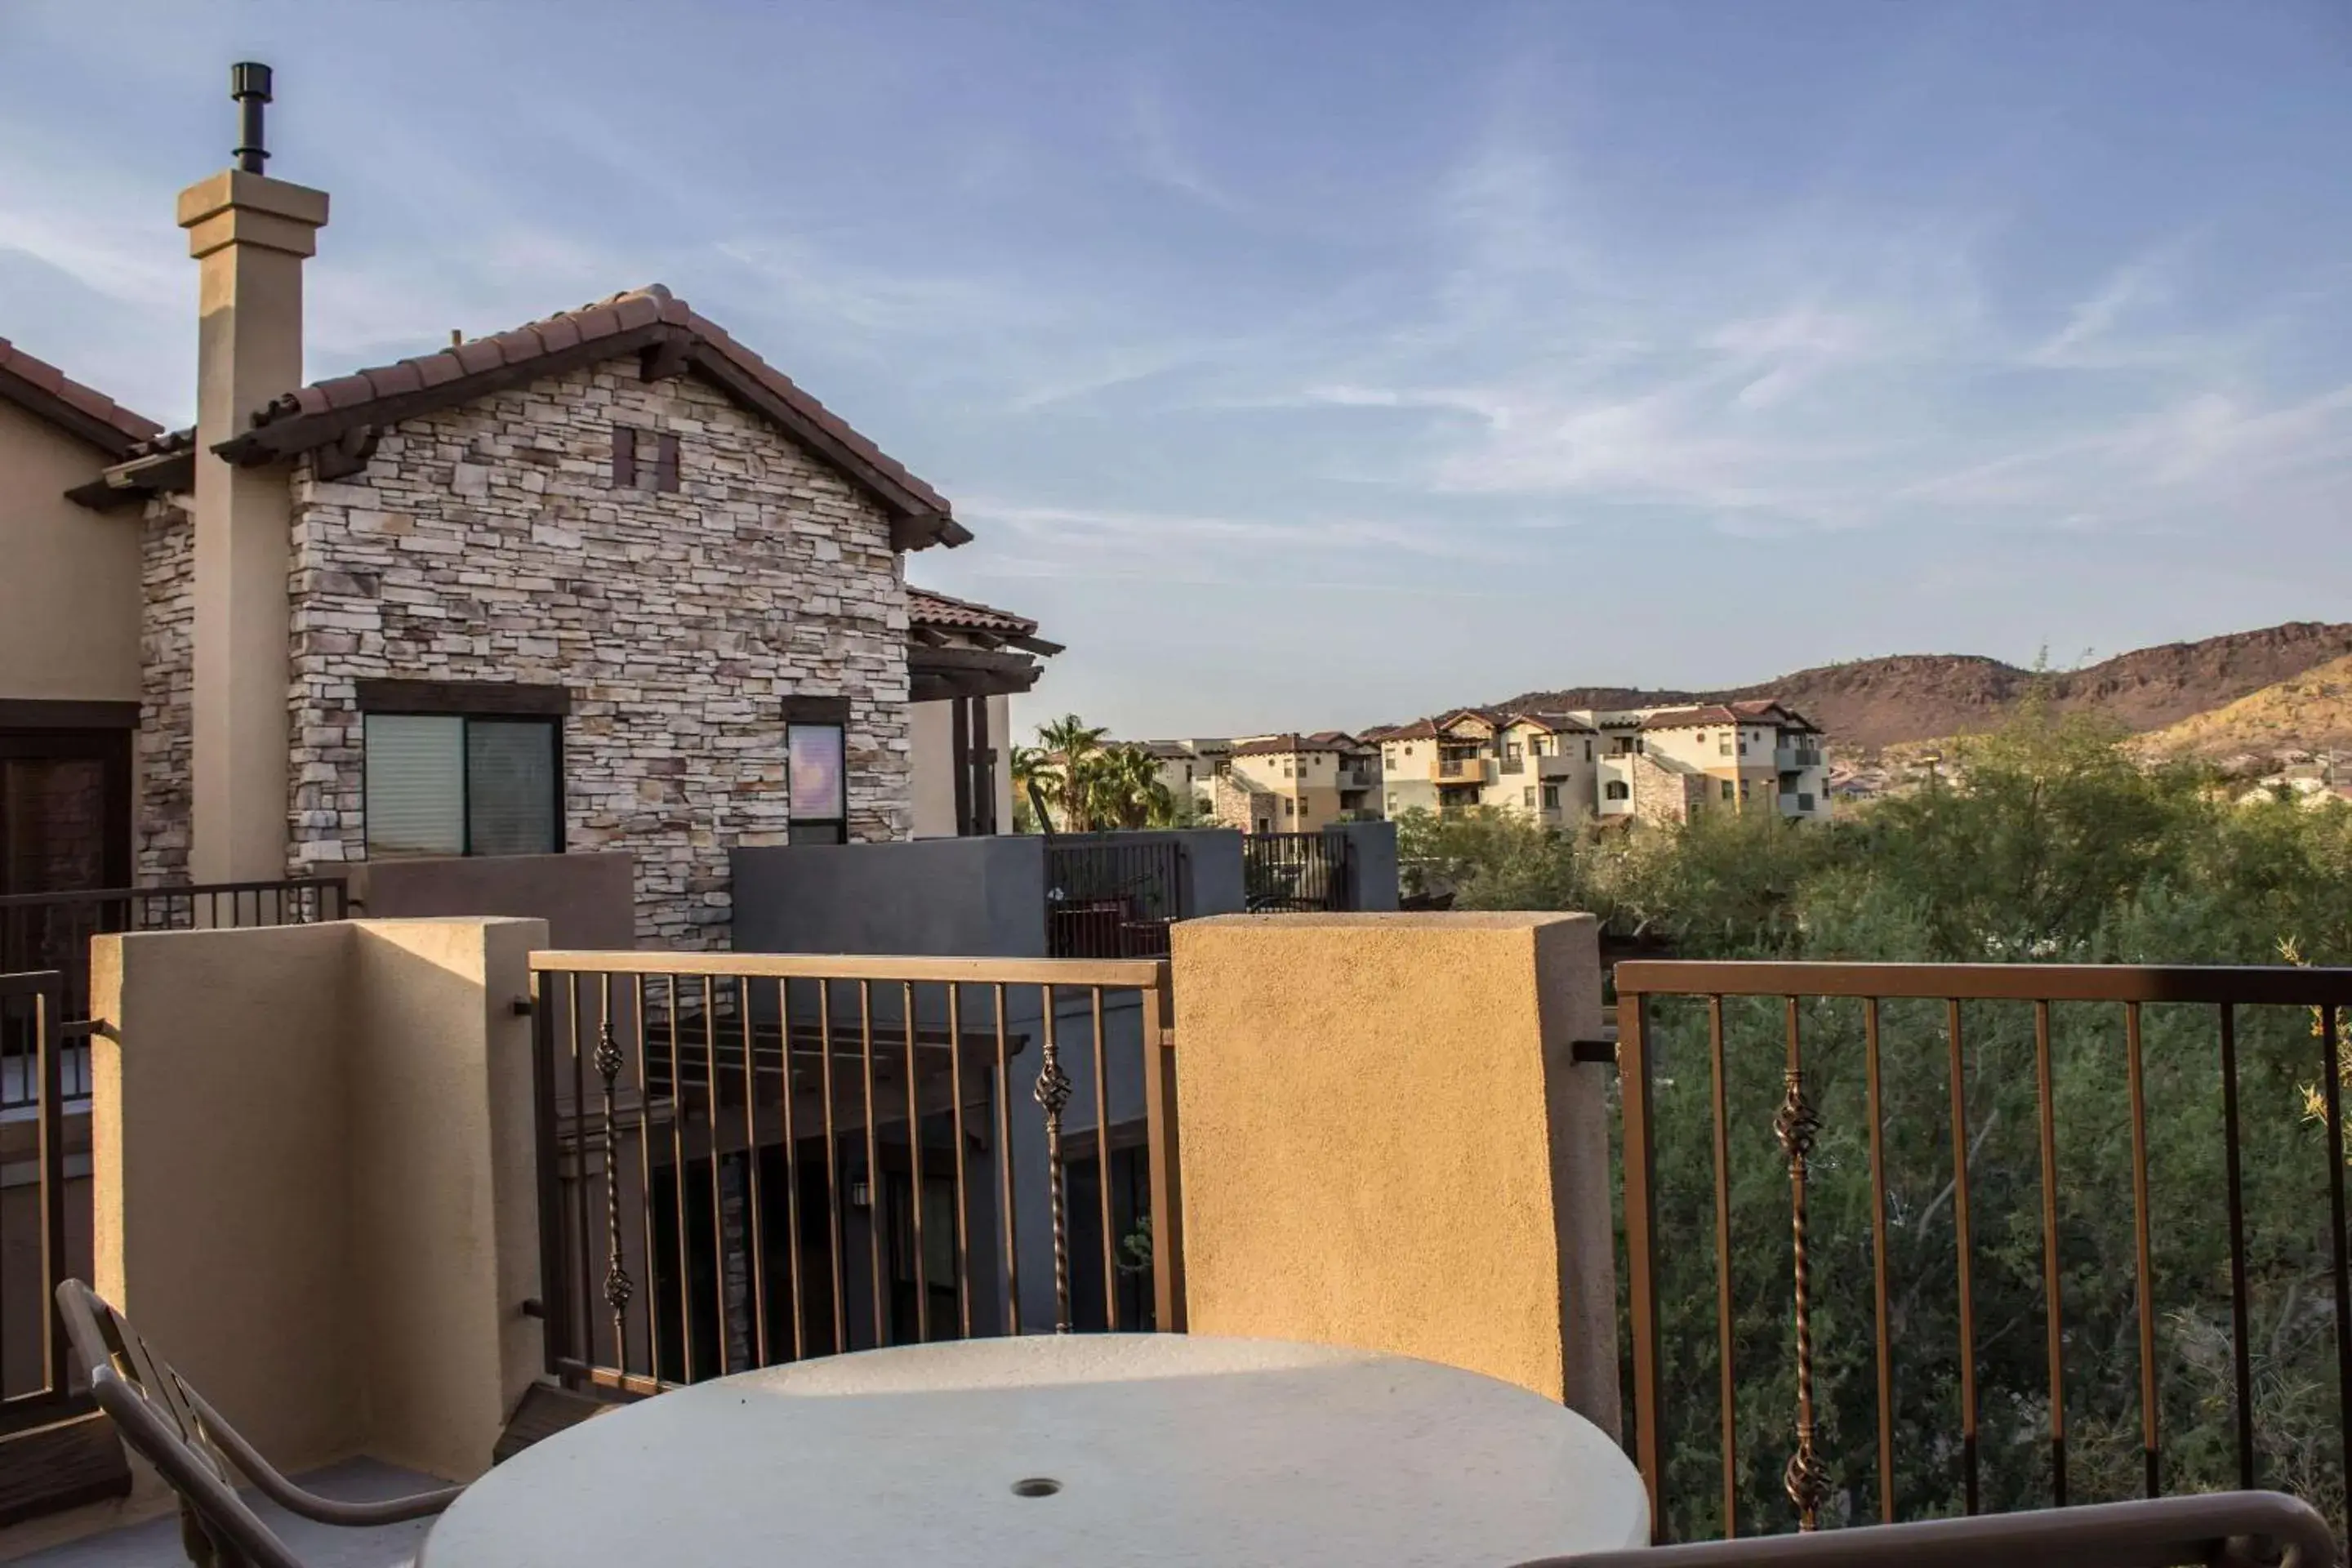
{"x": 159, "y": 1416}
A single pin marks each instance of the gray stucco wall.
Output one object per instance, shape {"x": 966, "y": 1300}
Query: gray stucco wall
{"x": 1374, "y": 848}
{"x": 932, "y": 898}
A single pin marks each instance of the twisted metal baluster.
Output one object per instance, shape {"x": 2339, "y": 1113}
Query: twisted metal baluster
{"x": 618, "y": 1287}
{"x": 1806, "y": 1481}
{"x": 1053, "y": 1093}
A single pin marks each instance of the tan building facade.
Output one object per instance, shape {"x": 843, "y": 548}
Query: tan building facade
{"x": 1653, "y": 765}
{"x": 1295, "y": 783}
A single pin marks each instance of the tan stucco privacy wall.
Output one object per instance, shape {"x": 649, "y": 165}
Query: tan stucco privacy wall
{"x": 1385, "y": 1143}
{"x": 313, "y": 1183}
{"x": 70, "y": 600}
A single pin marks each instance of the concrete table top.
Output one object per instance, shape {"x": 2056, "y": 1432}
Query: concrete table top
{"x": 1110, "y": 1449}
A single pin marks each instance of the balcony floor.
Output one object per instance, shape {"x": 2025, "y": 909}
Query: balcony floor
{"x": 156, "y": 1542}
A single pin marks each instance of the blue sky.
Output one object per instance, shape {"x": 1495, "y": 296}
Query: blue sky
{"x": 1319, "y": 363}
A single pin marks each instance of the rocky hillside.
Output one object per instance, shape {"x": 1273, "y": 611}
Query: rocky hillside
{"x": 1876, "y": 702}
{"x": 2308, "y": 713}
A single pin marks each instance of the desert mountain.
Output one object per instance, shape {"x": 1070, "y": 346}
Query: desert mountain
{"x": 2308, "y": 713}
{"x": 1875, "y": 702}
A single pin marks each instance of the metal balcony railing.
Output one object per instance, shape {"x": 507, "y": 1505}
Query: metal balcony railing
{"x": 2036, "y": 1229}
{"x": 748, "y": 1159}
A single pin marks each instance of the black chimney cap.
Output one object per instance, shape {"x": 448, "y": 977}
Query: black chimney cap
{"x": 248, "y": 83}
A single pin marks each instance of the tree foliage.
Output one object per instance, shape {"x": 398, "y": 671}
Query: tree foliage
{"x": 2053, "y": 846}
{"x": 1087, "y": 783}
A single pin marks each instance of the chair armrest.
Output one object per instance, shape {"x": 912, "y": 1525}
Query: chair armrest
{"x": 307, "y": 1504}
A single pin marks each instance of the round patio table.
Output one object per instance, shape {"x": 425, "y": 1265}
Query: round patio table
{"x": 1111, "y": 1450}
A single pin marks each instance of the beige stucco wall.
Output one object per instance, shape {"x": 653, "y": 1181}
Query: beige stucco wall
{"x": 312, "y": 1189}
{"x": 930, "y": 740}
{"x": 443, "y": 1209}
{"x": 69, "y": 599}
{"x": 220, "y": 1182}
{"x": 1385, "y": 1143}
{"x": 931, "y": 734}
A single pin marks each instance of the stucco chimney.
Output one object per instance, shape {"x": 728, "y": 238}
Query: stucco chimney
{"x": 249, "y": 235}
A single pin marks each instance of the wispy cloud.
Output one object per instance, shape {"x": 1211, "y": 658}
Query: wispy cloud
{"x": 1162, "y": 156}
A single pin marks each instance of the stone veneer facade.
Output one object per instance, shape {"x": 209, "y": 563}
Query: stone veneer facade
{"x": 167, "y": 684}
{"x": 1662, "y": 794}
{"x": 486, "y": 542}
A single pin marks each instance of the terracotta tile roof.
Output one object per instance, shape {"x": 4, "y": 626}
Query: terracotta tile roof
{"x": 649, "y": 320}
{"x": 42, "y": 389}
{"x": 1766, "y": 711}
{"x": 1278, "y": 745}
{"x": 1552, "y": 723}
{"x": 1484, "y": 715}
{"x": 926, "y": 609}
{"x": 1418, "y": 730}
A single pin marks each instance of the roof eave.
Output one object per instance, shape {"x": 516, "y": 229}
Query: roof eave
{"x": 916, "y": 523}
{"x": 134, "y": 482}
{"x": 57, "y": 404}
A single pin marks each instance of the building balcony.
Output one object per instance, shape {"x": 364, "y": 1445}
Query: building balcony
{"x": 902, "y": 1117}
{"x": 1795, "y": 759}
{"x": 1463, "y": 770}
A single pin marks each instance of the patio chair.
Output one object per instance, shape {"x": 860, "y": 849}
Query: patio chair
{"x": 171, "y": 1426}
{"x": 2228, "y": 1529}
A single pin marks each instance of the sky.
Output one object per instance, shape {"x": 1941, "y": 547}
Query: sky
{"x": 1331, "y": 362}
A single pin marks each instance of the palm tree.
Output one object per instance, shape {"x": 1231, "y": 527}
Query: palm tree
{"x": 1130, "y": 791}
{"x": 1034, "y": 780}
{"x": 1074, "y": 756}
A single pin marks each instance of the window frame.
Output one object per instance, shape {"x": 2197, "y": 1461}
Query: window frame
{"x": 629, "y": 455}
{"x": 466, "y": 700}
{"x": 816, "y": 713}
{"x": 560, "y": 819}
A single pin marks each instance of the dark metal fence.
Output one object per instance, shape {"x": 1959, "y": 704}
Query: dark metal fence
{"x": 2233, "y": 1528}
{"x": 35, "y": 1388}
{"x": 52, "y": 931}
{"x": 1905, "y": 1239}
{"x": 749, "y": 1159}
{"x": 1298, "y": 870}
{"x": 1113, "y": 897}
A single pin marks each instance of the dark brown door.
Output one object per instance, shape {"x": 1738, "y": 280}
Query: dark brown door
{"x": 65, "y": 827}
{"x": 65, "y": 810}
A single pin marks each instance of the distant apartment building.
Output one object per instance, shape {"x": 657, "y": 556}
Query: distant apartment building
{"x": 1188, "y": 769}
{"x": 1656, "y": 764}
{"x": 1651, "y": 765}
{"x": 1274, "y": 783}
{"x": 1295, "y": 783}
{"x": 1542, "y": 764}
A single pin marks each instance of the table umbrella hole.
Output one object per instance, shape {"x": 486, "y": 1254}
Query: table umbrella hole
{"x": 1036, "y": 1486}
